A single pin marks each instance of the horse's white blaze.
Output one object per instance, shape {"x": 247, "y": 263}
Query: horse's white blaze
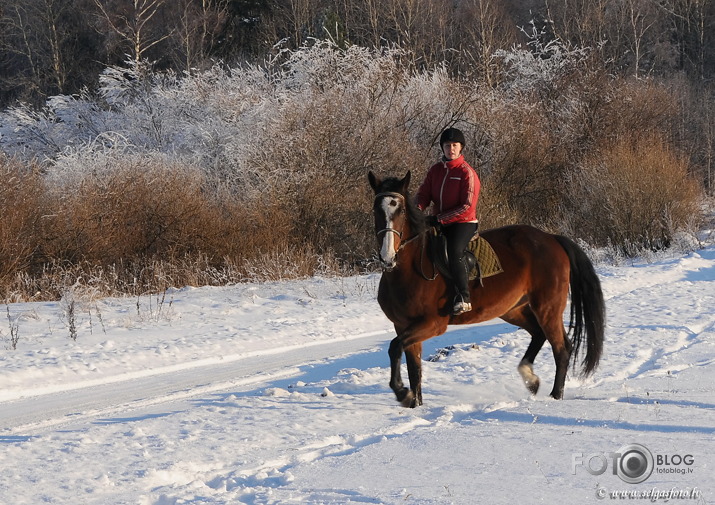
{"x": 387, "y": 252}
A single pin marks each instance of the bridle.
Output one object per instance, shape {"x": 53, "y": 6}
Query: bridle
{"x": 403, "y": 243}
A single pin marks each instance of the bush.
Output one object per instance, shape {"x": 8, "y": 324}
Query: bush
{"x": 633, "y": 194}
{"x": 21, "y": 208}
{"x": 522, "y": 165}
{"x": 136, "y": 224}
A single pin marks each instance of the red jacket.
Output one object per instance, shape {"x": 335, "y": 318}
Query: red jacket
{"x": 453, "y": 186}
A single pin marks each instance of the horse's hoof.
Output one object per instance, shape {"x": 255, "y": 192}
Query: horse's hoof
{"x": 403, "y": 395}
{"x": 531, "y": 380}
{"x": 409, "y": 401}
{"x": 533, "y": 386}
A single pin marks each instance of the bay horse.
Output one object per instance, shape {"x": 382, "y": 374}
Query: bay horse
{"x": 532, "y": 292}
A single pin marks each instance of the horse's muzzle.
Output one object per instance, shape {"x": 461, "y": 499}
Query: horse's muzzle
{"x": 387, "y": 266}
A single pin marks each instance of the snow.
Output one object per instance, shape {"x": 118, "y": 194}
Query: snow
{"x": 277, "y": 393}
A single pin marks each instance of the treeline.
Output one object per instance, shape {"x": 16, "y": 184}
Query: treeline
{"x": 259, "y": 172}
{"x": 210, "y": 142}
{"x": 59, "y": 47}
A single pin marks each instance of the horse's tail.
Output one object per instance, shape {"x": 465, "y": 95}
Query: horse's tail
{"x": 588, "y": 310}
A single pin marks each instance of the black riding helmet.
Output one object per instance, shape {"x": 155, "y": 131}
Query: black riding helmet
{"x": 452, "y": 135}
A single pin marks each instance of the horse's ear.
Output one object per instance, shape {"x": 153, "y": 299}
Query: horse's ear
{"x": 406, "y": 180}
{"x": 374, "y": 181}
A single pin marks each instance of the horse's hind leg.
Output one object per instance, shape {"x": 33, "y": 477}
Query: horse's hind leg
{"x": 526, "y": 365}
{"x": 562, "y": 355}
{"x": 525, "y": 318}
{"x": 551, "y": 323}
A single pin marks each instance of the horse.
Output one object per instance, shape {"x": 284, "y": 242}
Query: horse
{"x": 539, "y": 270}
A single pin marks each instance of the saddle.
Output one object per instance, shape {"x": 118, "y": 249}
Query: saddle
{"x": 481, "y": 259}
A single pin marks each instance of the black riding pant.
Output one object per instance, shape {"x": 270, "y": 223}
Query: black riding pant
{"x": 458, "y": 236}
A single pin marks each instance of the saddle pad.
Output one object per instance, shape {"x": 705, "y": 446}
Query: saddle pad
{"x": 486, "y": 258}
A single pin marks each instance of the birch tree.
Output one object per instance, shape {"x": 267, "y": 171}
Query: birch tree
{"x": 135, "y": 23}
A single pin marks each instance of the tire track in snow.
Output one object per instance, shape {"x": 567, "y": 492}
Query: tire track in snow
{"x": 35, "y": 410}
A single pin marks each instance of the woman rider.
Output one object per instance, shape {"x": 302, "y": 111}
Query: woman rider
{"x": 453, "y": 187}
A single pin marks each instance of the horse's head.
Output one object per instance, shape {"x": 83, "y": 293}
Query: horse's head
{"x": 392, "y": 216}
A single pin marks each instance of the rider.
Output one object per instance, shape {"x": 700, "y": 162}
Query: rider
{"x": 453, "y": 186}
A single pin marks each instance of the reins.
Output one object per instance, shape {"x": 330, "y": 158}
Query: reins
{"x": 435, "y": 272}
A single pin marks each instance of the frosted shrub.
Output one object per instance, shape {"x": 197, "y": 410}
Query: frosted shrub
{"x": 262, "y": 167}
{"x": 634, "y": 195}
{"x": 541, "y": 65}
{"x": 30, "y": 134}
{"x": 121, "y": 86}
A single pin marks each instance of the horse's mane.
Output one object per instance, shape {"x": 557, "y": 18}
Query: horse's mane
{"x": 414, "y": 214}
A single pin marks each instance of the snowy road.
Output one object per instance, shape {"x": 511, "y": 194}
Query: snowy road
{"x": 138, "y": 394}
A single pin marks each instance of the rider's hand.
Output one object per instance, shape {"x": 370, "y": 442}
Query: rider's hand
{"x": 432, "y": 221}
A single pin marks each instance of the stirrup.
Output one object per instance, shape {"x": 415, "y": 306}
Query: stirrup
{"x": 461, "y": 307}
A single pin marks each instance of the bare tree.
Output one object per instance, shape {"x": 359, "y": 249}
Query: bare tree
{"x": 21, "y": 43}
{"x": 132, "y": 21}
{"x": 640, "y": 17}
{"x": 372, "y": 12}
{"x": 418, "y": 25}
{"x": 199, "y": 25}
{"x": 486, "y": 28}
{"x": 579, "y": 22}
{"x": 691, "y": 27}
{"x": 296, "y": 19}
{"x": 38, "y": 48}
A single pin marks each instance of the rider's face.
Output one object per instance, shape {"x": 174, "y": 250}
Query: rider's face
{"x": 452, "y": 150}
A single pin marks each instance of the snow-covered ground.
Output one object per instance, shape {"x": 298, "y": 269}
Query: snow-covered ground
{"x": 277, "y": 393}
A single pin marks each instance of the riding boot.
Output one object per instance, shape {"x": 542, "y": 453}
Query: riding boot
{"x": 460, "y": 275}
{"x": 458, "y": 236}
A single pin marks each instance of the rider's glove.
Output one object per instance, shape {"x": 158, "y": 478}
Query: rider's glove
{"x": 432, "y": 221}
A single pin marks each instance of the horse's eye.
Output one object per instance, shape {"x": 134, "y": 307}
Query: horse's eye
{"x": 393, "y": 203}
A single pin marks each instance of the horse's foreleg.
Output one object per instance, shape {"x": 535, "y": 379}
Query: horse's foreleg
{"x": 396, "y": 383}
{"x": 410, "y": 341}
{"x": 413, "y": 357}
